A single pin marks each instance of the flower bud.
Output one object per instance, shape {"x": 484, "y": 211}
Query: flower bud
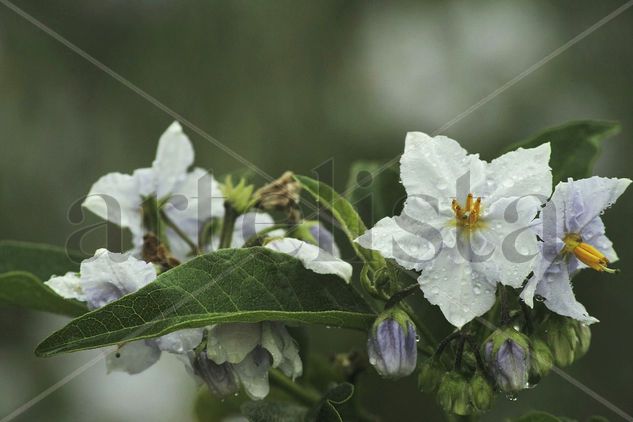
{"x": 567, "y": 339}
{"x": 507, "y": 353}
{"x": 430, "y": 375}
{"x": 221, "y": 379}
{"x": 454, "y": 394}
{"x": 541, "y": 361}
{"x": 392, "y": 345}
{"x": 482, "y": 394}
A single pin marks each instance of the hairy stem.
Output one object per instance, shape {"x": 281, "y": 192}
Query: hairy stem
{"x": 230, "y": 214}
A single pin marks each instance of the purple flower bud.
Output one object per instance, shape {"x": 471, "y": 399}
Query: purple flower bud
{"x": 221, "y": 379}
{"x": 392, "y": 345}
{"x": 325, "y": 239}
{"x": 507, "y": 353}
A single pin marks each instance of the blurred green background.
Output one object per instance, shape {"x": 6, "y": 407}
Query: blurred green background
{"x": 289, "y": 85}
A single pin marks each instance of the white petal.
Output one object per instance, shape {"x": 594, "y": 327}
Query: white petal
{"x": 411, "y": 243}
{"x": 312, "y": 257}
{"x": 115, "y": 197}
{"x": 133, "y": 357}
{"x": 511, "y": 243}
{"x": 438, "y": 168}
{"x": 523, "y": 172}
{"x": 67, "y": 286}
{"x": 282, "y": 348}
{"x": 248, "y": 225}
{"x": 461, "y": 293}
{"x": 586, "y": 199}
{"x": 231, "y": 342}
{"x": 197, "y": 197}
{"x": 181, "y": 341}
{"x": 556, "y": 288}
{"x": 253, "y": 373}
{"x": 173, "y": 158}
{"x": 107, "y": 276}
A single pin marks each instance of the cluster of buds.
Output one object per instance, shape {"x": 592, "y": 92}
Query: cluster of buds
{"x": 460, "y": 395}
{"x": 567, "y": 338}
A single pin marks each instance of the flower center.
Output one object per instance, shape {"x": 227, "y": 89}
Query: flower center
{"x": 468, "y": 216}
{"x": 586, "y": 253}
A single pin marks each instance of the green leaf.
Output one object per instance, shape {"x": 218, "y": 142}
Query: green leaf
{"x": 327, "y": 410}
{"x": 269, "y": 411}
{"x": 376, "y": 192}
{"x": 345, "y": 214}
{"x": 40, "y": 260}
{"x": 20, "y": 288}
{"x": 575, "y": 146}
{"x": 230, "y": 285}
{"x": 209, "y": 408}
{"x": 538, "y": 416}
{"x": 24, "y": 265}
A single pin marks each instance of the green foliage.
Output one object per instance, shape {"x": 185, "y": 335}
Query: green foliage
{"x": 327, "y": 410}
{"x": 23, "y": 289}
{"x": 538, "y": 416}
{"x": 272, "y": 411}
{"x": 345, "y": 214}
{"x": 209, "y": 408}
{"x": 575, "y": 146}
{"x": 375, "y": 195}
{"x": 230, "y": 285}
{"x": 24, "y": 266}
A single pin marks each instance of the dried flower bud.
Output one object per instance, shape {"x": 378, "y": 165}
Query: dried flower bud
{"x": 392, "y": 345}
{"x": 280, "y": 195}
{"x": 507, "y": 354}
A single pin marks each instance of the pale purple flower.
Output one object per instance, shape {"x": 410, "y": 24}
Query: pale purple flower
{"x": 509, "y": 364}
{"x": 573, "y": 236}
{"x": 392, "y": 347}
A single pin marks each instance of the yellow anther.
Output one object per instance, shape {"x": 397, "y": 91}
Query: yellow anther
{"x": 467, "y": 217}
{"x": 586, "y": 253}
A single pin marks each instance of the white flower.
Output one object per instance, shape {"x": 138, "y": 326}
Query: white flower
{"x": 251, "y": 349}
{"x": 465, "y": 222}
{"x": 105, "y": 278}
{"x": 188, "y": 198}
{"x": 574, "y": 238}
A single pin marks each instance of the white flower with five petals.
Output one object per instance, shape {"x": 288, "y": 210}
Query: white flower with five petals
{"x": 188, "y": 198}
{"x": 465, "y": 223}
{"x": 574, "y": 238}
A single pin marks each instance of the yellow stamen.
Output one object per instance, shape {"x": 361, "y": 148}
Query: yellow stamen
{"x": 586, "y": 253}
{"x": 467, "y": 217}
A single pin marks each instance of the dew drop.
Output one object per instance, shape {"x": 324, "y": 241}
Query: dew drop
{"x": 539, "y": 298}
{"x": 477, "y": 290}
{"x": 417, "y": 338}
{"x": 372, "y": 361}
{"x": 512, "y": 396}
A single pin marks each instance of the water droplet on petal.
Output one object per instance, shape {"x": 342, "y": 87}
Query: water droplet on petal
{"x": 512, "y": 396}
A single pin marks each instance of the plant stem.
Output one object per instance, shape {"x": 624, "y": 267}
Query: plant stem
{"x": 304, "y": 395}
{"x": 505, "y": 312}
{"x": 179, "y": 232}
{"x": 230, "y": 214}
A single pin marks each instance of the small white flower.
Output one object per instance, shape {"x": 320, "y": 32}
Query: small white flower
{"x": 106, "y": 277}
{"x": 574, "y": 238}
{"x": 189, "y": 198}
{"x": 465, "y": 222}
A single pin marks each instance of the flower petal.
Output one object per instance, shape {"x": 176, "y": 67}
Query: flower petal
{"x": 248, "y": 225}
{"x": 556, "y": 289}
{"x": 523, "y": 172}
{"x": 198, "y": 197}
{"x": 461, "y": 293}
{"x": 181, "y": 341}
{"x": 107, "y": 276}
{"x": 312, "y": 257}
{"x": 438, "y": 167}
{"x": 133, "y": 357}
{"x": 173, "y": 158}
{"x": 253, "y": 373}
{"x": 412, "y": 238}
{"x": 232, "y": 342}
{"x": 115, "y": 197}
{"x": 67, "y": 286}
{"x": 282, "y": 348}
